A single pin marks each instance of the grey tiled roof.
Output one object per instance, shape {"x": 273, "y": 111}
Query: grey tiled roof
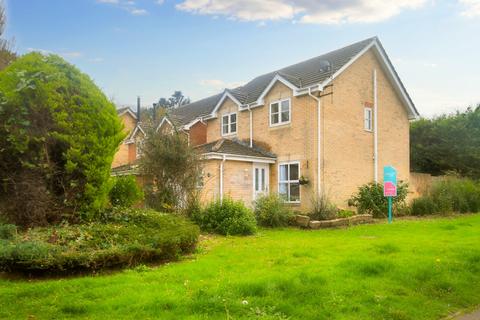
{"x": 303, "y": 74}
{"x": 123, "y": 109}
{"x": 236, "y": 147}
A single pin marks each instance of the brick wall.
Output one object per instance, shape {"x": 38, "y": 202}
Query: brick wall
{"x": 347, "y": 149}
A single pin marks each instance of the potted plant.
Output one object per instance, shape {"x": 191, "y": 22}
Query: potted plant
{"x": 303, "y": 181}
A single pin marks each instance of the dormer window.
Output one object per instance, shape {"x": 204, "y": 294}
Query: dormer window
{"x": 280, "y": 112}
{"x": 229, "y": 124}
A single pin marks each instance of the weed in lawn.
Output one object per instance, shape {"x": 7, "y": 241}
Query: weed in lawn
{"x": 448, "y": 227}
{"x": 368, "y": 268}
{"x": 387, "y": 248}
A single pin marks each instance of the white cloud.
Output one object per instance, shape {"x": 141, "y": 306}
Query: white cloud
{"x": 307, "y": 11}
{"x": 472, "y": 8}
{"x": 96, "y": 60}
{"x": 71, "y": 54}
{"x": 42, "y": 51}
{"x": 160, "y": 2}
{"x": 127, "y": 5}
{"x": 138, "y": 12}
{"x": 218, "y": 85}
{"x": 246, "y": 10}
{"x": 65, "y": 54}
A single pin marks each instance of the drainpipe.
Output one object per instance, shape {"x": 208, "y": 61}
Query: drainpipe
{"x": 221, "y": 178}
{"x": 375, "y": 125}
{"x": 251, "y": 126}
{"x": 319, "y": 144}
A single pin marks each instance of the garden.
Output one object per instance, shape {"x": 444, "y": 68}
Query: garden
{"x": 96, "y": 246}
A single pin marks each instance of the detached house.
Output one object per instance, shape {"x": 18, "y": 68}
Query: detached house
{"x": 323, "y": 126}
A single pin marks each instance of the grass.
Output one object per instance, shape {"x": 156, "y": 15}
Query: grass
{"x": 419, "y": 269}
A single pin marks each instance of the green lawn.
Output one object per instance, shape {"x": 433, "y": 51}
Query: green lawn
{"x": 423, "y": 269}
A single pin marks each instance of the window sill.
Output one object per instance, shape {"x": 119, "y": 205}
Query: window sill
{"x": 229, "y": 135}
{"x": 293, "y": 204}
{"x": 280, "y": 126}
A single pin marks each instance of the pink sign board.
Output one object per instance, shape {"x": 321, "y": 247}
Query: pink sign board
{"x": 389, "y": 189}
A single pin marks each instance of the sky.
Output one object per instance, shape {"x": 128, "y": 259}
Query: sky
{"x": 149, "y": 48}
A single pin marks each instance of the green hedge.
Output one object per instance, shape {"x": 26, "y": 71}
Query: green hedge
{"x": 123, "y": 238}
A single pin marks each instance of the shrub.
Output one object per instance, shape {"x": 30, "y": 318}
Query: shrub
{"x": 125, "y": 192}
{"x": 450, "y": 195}
{"x": 322, "y": 208}
{"x": 120, "y": 238}
{"x": 58, "y": 136}
{"x": 227, "y": 217}
{"x": 370, "y": 200}
{"x": 345, "y": 213}
{"x": 7, "y": 231}
{"x": 423, "y": 206}
{"x": 271, "y": 211}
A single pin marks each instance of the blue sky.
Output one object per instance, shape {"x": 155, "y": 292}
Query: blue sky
{"x": 153, "y": 47}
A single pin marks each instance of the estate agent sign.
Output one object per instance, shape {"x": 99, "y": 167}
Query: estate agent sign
{"x": 389, "y": 187}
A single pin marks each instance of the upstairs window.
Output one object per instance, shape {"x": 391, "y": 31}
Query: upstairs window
{"x": 289, "y": 181}
{"x": 368, "y": 119}
{"x": 229, "y": 124}
{"x": 280, "y": 112}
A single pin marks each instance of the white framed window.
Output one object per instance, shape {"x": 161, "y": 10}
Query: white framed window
{"x": 280, "y": 112}
{"x": 289, "y": 181}
{"x": 229, "y": 123}
{"x": 368, "y": 119}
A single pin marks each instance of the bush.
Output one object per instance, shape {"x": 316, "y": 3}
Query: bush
{"x": 370, "y": 199}
{"x": 323, "y": 209}
{"x": 271, "y": 211}
{"x": 423, "y": 206}
{"x": 120, "y": 238}
{"x": 58, "y": 136}
{"x": 7, "y": 231}
{"x": 447, "y": 196}
{"x": 227, "y": 217}
{"x": 125, "y": 192}
{"x": 345, "y": 213}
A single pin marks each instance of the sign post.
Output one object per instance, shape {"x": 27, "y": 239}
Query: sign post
{"x": 389, "y": 187}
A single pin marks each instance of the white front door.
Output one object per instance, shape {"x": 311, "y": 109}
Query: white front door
{"x": 261, "y": 177}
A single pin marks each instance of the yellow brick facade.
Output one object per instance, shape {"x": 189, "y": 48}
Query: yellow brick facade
{"x": 125, "y": 151}
{"x": 347, "y": 148}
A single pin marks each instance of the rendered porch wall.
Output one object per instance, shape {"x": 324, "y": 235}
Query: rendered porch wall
{"x": 237, "y": 181}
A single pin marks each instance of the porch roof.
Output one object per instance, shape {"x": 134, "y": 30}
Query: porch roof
{"x": 235, "y": 148}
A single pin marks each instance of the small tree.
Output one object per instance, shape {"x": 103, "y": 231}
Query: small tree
{"x": 6, "y": 53}
{"x": 173, "y": 169}
{"x": 58, "y": 136}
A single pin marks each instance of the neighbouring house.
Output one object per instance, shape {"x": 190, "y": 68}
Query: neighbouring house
{"x": 125, "y": 160}
{"x": 323, "y": 126}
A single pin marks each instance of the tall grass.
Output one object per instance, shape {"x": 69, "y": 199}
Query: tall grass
{"x": 452, "y": 195}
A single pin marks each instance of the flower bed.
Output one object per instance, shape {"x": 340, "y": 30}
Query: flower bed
{"x": 124, "y": 238}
